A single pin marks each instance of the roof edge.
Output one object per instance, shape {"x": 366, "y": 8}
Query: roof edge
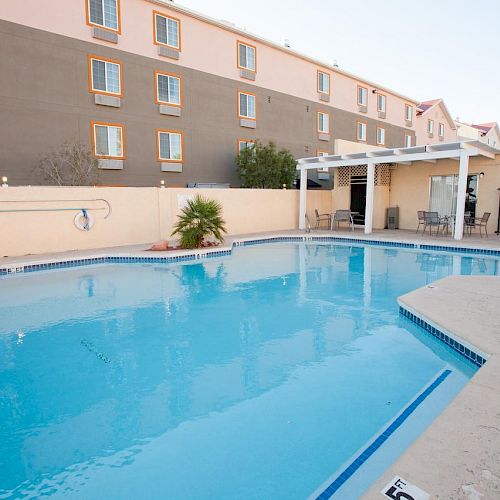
{"x": 233, "y": 29}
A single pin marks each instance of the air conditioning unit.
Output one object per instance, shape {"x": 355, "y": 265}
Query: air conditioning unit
{"x": 392, "y": 219}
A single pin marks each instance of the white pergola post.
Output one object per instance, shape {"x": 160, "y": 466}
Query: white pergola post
{"x": 461, "y": 191}
{"x": 303, "y": 198}
{"x": 370, "y": 186}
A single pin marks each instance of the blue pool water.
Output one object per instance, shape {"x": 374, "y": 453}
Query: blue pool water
{"x": 259, "y": 375}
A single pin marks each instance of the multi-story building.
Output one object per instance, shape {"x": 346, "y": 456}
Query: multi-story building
{"x": 163, "y": 93}
{"x": 434, "y": 123}
{"x": 489, "y": 133}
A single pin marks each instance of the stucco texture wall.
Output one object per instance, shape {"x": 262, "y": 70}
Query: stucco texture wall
{"x": 139, "y": 215}
{"x": 410, "y": 188}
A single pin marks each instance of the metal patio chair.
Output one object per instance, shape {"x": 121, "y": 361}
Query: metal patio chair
{"x": 482, "y": 223}
{"x": 432, "y": 219}
{"x": 343, "y": 216}
{"x": 421, "y": 219}
{"x": 322, "y": 218}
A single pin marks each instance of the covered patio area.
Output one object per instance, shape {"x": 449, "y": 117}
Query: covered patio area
{"x": 414, "y": 158}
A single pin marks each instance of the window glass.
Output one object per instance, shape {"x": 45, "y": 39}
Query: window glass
{"x": 169, "y": 89}
{"x": 104, "y": 13}
{"x": 167, "y": 31}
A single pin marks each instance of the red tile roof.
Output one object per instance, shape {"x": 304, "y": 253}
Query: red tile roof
{"x": 484, "y": 127}
{"x": 425, "y": 105}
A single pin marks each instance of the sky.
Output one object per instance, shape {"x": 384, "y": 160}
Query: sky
{"x": 423, "y": 49}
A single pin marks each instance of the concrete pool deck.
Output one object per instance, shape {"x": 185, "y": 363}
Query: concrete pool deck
{"x": 458, "y": 456}
{"x": 140, "y": 250}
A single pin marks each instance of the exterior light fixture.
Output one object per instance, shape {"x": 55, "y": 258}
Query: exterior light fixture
{"x": 4, "y": 182}
{"x": 481, "y": 175}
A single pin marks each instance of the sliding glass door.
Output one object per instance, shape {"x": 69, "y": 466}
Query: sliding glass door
{"x": 443, "y": 195}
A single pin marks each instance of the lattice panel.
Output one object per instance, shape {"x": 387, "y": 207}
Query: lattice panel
{"x": 344, "y": 176}
{"x": 358, "y": 170}
{"x": 382, "y": 175}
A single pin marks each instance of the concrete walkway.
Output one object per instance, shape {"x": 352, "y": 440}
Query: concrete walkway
{"x": 458, "y": 456}
{"x": 140, "y": 250}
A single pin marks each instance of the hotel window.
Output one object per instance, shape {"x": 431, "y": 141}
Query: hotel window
{"x": 380, "y": 136}
{"x": 246, "y": 56}
{"x": 430, "y": 127}
{"x": 167, "y": 31}
{"x": 104, "y": 13}
{"x": 169, "y": 145}
{"x": 441, "y": 130}
{"x": 361, "y": 131}
{"x": 323, "y": 170}
{"x": 323, "y": 123}
{"x": 245, "y": 144}
{"x": 381, "y": 102}
{"x": 323, "y": 83}
{"x": 362, "y": 96}
{"x": 105, "y": 76}
{"x": 408, "y": 141}
{"x": 246, "y": 106}
{"x": 108, "y": 140}
{"x": 168, "y": 89}
{"x": 408, "y": 113}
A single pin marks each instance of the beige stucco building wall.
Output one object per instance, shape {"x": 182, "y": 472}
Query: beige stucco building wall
{"x": 410, "y": 188}
{"x": 139, "y": 215}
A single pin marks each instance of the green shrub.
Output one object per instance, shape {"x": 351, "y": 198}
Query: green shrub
{"x": 199, "y": 219}
{"x": 263, "y": 166}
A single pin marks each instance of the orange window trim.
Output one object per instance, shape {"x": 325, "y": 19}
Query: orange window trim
{"x": 238, "y": 43}
{"x": 357, "y": 131}
{"x": 357, "y": 98}
{"x": 157, "y": 97}
{"x": 317, "y": 122}
{"x": 239, "y": 141}
{"x": 118, "y": 9}
{"x": 238, "y": 106}
{"x": 91, "y": 83}
{"x": 378, "y": 107}
{"x": 408, "y": 107}
{"x": 329, "y": 80}
{"x": 92, "y": 134}
{"x": 378, "y": 142}
{"x": 165, "y": 131}
{"x": 155, "y": 40}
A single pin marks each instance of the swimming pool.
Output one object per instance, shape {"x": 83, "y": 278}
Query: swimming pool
{"x": 264, "y": 374}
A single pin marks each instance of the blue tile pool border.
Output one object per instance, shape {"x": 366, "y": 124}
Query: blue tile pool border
{"x": 361, "y": 458}
{"x": 20, "y": 268}
{"x": 466, "y": 352}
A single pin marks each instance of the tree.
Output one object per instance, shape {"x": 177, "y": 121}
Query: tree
{"x": 263, "y": 166}
{"x": 73, "y": 164}
{"x": 200, "y": 218}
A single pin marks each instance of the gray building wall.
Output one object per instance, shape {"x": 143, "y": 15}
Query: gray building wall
{"x": 45, "y": 100}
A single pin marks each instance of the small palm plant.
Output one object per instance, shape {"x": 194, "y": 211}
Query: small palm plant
{"x": 200, "y": 218}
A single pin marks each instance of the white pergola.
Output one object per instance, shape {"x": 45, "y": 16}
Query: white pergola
{"x": 460, "y": 151}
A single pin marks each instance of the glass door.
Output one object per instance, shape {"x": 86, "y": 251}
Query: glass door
{"x": 443, "y": 195}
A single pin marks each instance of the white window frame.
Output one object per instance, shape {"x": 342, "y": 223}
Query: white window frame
{"x": 107, "y": 62}
{"x": 104, "y": 25}
{"x": 170, "y": 133}
{"x": 380, "y": 136}
{"x": 384, "y": 100}
{"x": 441, "y": 130}
{"x": 247, "y": 49}
{"x": 323, "y": 114}
{"x": 408, "y": 141}
{"x": 362, "y": 92}
{"x": 157, "y": 83}
{"x": 361, "y": 137}
{"x": 322, "y": 76}
{"x": 430, "y": 126}
{"x": 109, "y": 126}
{"x": 247, "y": 117}
{"x": 408, "y": 113}
{"x": 167, "y": 18}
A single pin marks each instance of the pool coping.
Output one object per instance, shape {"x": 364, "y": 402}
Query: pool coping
{"x": 126, "y": 255}
{"x": 459, "y": 453}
